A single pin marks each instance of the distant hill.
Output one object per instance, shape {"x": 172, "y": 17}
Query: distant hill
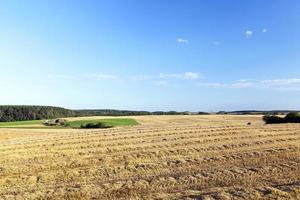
{"x": 110, "y": 112}
{"x": 257, "y": 112}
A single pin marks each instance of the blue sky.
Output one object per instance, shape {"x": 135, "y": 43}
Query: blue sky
{"x": 193, "y": 55}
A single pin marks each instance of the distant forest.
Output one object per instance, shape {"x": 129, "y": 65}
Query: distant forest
{"x": 109, "y": 112}
{"x": 21, "y": 113}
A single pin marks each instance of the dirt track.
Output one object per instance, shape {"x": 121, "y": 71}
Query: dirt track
{"x": 166, "y": 157}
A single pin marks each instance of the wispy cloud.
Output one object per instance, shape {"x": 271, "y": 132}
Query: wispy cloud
{"x": 141, "y": 77}
{"x": 60, "y": 76}
{"x": 100, "y": 76}
{"x": 248, "y": 33}
{"x": 96, "y": 76}
{"x": 238, "y": 84}
{"x": 280, "y": 84}
{"x": 160, "y": 83}
{"x": 186, "y": 75}
{"x": 265, "y": 30}
{"x": 181, "y": 40}
{"x": 163, "y": 77}
{"x": 216, "y": 43}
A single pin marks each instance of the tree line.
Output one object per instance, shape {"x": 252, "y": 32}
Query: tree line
{"x": 110, "y": 112}
{"x": 22, "y": 113}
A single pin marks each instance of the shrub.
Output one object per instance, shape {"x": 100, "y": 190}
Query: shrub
{"x": 95, "y": 125}
{"x": 292, "y": 117}
{"x": 273, "y": 119}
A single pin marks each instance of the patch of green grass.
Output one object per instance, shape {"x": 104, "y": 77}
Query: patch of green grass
{"x": 37, "y": 124}
{"x": 34, "y": 127}
{"x": 30, "y": 124}
{"x": 20, "y": 123}
{"x": 107, "y": 122}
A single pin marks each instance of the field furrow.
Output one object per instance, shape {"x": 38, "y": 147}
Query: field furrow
{"x": 166, "y": 157}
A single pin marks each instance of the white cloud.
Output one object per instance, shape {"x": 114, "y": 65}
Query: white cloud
{"x": 181, "y": 40}
{"x": 97, "y": 76}
{"x": 190, "y": 75}
{"x": 164, "y": 79}
{"x": 248, "y": 33}
{"x": 239, "y": 84}
{"x": 60, "y": 76}
{"x": 216, "y": 43}
{"x": 186, "y": 75}
{"x": 265, "y": 30}
{"x": 141, "y": 77}
{"x": 100, "y": 76}
{"x": 281, "y": 84}
{"x": 161, "y": 83}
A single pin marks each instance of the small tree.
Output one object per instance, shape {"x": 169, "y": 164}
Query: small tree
{"x": 293, "y": 117}
{"x": 273, "y": 119}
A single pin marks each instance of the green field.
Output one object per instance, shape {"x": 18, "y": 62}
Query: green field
{"x": 70, "y": 124}
{"x": 20, "y": 123}
{"x": 107, "y": 122}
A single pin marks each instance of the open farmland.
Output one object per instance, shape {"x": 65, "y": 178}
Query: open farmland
{"x": 165, "y": 157}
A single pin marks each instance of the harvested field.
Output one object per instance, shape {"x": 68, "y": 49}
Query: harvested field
{"x": 165, "y": 157}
